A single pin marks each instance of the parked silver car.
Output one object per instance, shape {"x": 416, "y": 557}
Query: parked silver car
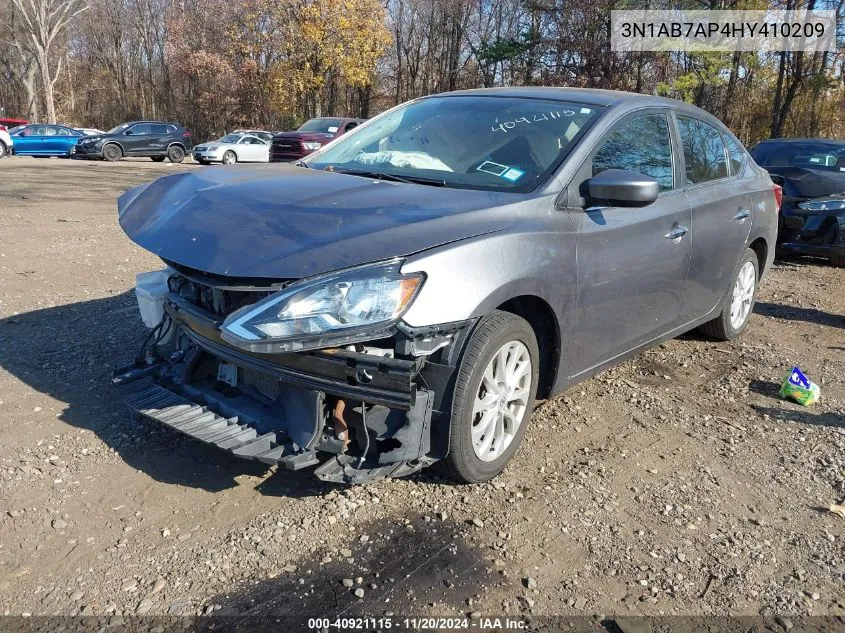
{"x": 239, "y": 146}
{"x": 406, "y": 293}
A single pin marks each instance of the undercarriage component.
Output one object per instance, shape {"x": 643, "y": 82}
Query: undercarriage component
{"x": 342, "y": 470}
{"x": 265, "y": 419}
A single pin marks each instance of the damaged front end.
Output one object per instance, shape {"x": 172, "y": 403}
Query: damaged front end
{"x": 369, "y": 408}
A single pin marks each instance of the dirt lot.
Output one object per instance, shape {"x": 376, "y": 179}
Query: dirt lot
{"x": 677, "y": 483}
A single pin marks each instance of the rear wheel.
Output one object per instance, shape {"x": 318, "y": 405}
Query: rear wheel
{"x": 494, "y": 397}
{"x": 158, "y": 159}
{"x": 3, "y": 149}
{"x": 112, "y": 152}
{"x": 229, "y": 158}
{"x": 838, "y": 260}
{"x": 175, "y": 154}
{"x": 738, "y": 303}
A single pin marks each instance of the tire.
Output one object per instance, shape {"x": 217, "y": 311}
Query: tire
{"x": 838, "y": 261}
{"x": 112, "y": 152}
{"x": 724, "y": 327}
{"x": 229, "y": 158}
{"x": 158, "y": 159}
{"x": 3, "y": 150}
{"x": 175, "y": 154}
{"x": 497, "y": 331}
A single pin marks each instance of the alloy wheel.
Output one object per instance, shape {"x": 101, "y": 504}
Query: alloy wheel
{"x": 501, "y": 401}
{"x": 743, "y": 295}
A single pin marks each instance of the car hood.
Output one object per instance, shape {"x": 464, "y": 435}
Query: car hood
{"x": 306, "y": 136}
{"x": 810, "y": 183}
{"x": 286, "y": 222}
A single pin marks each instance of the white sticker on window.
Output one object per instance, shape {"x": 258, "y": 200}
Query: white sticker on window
{"x": 489, "y": 167}
{"x": 333, "y": 129}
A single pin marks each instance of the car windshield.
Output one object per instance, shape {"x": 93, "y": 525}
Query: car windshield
{"x": 118, "y": 129}
{"x": 329, "y": 126}
{"x": 823, "y": 156}
{"x": 472, "y": 142}
{"x": 16, "y": 130}
{"x": 230, "y": 138}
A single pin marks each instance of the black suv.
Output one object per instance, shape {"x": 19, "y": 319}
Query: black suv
{"x": 156, "y": 139}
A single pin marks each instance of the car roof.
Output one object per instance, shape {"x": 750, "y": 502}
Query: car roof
{"x": 159, "y": 122}
{"x": 591, "y": 96}
{"x": 338, "y": 118}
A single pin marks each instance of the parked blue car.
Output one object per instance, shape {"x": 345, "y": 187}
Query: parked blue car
{"x": 45, "y": 140}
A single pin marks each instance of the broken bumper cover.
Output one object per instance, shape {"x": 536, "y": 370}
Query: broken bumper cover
{"x": 280, "y": 409}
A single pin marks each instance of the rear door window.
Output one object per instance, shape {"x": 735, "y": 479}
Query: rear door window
{"x": 640, "y": 144}
{"x": 704, "y": 151}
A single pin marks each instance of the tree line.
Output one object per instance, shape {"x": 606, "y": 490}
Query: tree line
{"x": 214, "y": 65}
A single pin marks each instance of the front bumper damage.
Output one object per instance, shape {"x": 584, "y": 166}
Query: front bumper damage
{"x": 356, "y": 415}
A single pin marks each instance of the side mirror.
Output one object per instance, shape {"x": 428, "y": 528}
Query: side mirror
{"x": 623, "y": 188}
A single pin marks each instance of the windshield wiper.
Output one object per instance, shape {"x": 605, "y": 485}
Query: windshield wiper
{"x": 413, "y": 180}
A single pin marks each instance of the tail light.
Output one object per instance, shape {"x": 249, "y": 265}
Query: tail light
{"x": 3, "y": 128}
{"x": 186, "y": 134}
{"x": 778, "y": 191}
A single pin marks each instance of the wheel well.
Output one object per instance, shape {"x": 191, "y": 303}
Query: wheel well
{"x": 760, "y": 247}
{"x": 543, "y": 321}
{"x": 177, "y": 143}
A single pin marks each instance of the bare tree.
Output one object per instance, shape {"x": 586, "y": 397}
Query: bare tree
{"x": 44, "y": 21}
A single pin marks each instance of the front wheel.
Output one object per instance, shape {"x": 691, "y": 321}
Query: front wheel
{"x": 229, "y": 158}
{"x": 494, "y": 397}
{"x": 739, "y": 302}
{"x": 112, "y": 152}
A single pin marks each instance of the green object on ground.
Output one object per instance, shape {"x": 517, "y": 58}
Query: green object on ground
{"x": 796, "y": 386}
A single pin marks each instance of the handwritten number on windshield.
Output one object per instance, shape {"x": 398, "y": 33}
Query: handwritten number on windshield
{"x": 537, "y": 118}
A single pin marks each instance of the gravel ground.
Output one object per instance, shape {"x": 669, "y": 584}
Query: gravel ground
{"x": 676, "y": 483}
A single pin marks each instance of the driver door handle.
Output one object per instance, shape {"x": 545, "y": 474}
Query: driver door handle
{"x": 677, "y": 233}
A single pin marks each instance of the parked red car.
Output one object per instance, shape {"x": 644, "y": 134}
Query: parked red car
{"x": 311, "y": 136}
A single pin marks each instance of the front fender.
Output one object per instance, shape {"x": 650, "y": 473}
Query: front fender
{"x": 470, "y": 278}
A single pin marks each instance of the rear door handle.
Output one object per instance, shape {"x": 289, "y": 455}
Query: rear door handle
{"x": 677, "y": 233}
{"x": 743, "y": 215}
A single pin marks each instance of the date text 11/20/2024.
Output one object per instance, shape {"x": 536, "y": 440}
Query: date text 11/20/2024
{"x": 416, "y": 624}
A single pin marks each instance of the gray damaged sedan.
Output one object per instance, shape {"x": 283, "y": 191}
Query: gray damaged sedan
{"x": 407, "y": 293}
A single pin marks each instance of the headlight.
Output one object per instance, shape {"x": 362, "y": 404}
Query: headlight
{"x": 212, "y": 148}
{"x": 330, "y": 310}
{"x": 823, "y": 205}
{"x": 311, "y": 145}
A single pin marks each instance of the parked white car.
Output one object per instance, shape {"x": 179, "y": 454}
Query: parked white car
{"x": 234, "y": 148}
{"x": 90, "y": 131}
{"x": 7, "y": 144}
